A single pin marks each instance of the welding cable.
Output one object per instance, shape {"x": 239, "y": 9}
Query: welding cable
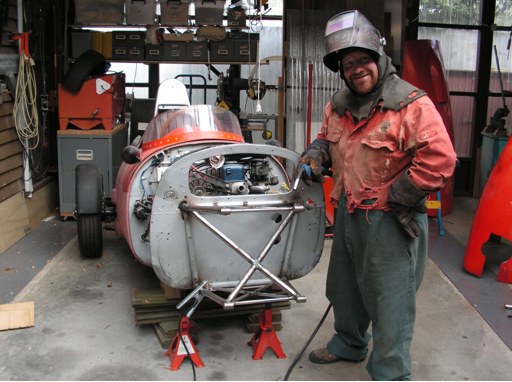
{"x": 297, "y": 357}
{"x": 186, "y": 349}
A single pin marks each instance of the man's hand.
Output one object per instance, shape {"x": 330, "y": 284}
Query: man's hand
{"x": 315, "y": 155}
{"x": 405, "y": 216}
{"x": 405, "y": 199}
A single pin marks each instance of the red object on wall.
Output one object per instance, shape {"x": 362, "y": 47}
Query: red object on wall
{"x": 100, "y": 102}
{"x": 493, "y": 216}
{"x": 423, "y": 67}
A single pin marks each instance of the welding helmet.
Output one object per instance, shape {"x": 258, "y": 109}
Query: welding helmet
{"x": 349, "y": 30}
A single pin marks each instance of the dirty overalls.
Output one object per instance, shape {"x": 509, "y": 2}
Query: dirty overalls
{"x": 375, "y": 268}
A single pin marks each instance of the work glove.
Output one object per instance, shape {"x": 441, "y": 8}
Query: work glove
{"x": 405, "y": 199}
{"x": 316, "y": 154}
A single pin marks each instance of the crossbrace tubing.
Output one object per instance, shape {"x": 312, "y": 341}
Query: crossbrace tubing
{"x": 238, "y": 295}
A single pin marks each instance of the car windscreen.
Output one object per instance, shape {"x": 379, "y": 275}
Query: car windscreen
{"x": 193, "y": 123}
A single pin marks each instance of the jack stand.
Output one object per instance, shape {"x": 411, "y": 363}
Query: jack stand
{"x": 182, "y": 346}
{"x": 266, "y": 337}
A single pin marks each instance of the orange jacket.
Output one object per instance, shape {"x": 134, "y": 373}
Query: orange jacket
{"x": 369, "y": 156}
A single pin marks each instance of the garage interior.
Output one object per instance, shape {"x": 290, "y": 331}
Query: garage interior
{"x": 88, "y": 323}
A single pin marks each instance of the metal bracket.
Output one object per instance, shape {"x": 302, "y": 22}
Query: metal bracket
{"x": 195, "y": 294}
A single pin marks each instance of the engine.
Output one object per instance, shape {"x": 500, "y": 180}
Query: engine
{"x": 232, "y": 176}
{"x": 214, "y": 176}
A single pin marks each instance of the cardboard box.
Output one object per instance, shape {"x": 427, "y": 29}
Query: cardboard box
{"x": 185, "y": 36}
{"x": 209, "y": 12}
{"x": 140, "y": 12}
{"x": 103, "y": 12}
{"x": 16, "y": 315}
{"x": 237, "y": 17}
{"x": 174, "y": 12}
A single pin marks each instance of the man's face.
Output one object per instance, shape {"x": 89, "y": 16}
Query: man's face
{"x": 360, "y": 72}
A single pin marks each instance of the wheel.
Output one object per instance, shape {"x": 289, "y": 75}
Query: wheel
{"x": 88, "y": 210}
{"x": 90, "y": 235}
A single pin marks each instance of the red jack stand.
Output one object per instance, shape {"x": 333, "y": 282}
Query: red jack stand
{"x": 265, "y": 337}
{"x": 182, "y": 342}
{"x": 505, "y": 272}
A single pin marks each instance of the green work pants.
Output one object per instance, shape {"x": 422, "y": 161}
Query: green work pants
{"x": 374, "y": 272}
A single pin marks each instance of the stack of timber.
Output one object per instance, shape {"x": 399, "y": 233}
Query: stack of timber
{"x": 157, "y": 307}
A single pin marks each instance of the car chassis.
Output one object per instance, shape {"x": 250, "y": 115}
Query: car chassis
{"x": 210, "y": 214}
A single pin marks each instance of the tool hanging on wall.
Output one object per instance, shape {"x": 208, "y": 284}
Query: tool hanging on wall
{"x": 256, "y": 89}
{"x": 26, "y": 118}
{"x": 25, "y": 111}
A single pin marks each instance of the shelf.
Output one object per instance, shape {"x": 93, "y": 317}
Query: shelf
{"x": 184, "y": 62}
{"x": 145, "y": 27}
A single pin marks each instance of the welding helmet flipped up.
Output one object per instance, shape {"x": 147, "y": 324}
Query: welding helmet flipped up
{"x": 349, "y": 30}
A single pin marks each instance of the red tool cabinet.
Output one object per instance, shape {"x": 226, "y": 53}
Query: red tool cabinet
{"x": 99, "y": 103}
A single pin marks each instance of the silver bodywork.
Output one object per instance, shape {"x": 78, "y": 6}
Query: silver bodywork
{"x": 185, "y": 250}
{"x": 221, "y": 216}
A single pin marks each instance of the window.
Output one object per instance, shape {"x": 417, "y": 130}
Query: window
{"x": 463, "y": 12}
{"x": 137, "y": 77}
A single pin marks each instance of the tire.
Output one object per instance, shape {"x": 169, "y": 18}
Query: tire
{"x": 88, "y": 189}
{"x": 90, "y": 235}
{"x": 89, "y": 63}
{"x": 89, "y": 210}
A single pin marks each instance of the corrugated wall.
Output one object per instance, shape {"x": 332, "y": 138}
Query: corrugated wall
{"x": 306, "y": 74}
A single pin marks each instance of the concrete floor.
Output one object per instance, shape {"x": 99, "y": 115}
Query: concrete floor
{"x": 84, "y": 323}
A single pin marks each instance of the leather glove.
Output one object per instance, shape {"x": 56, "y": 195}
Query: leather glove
{"x": 315, "y": 155}
{"x": 405, "y": 199}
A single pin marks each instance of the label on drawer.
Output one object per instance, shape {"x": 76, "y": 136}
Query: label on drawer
{"x": 84, "y": 154}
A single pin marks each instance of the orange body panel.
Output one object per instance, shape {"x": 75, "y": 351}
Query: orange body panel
{"x": 423, "y": 67}
{"x": 493, "y": 216}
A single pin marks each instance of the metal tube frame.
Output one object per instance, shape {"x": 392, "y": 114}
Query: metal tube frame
{"x": 238, "y": 296}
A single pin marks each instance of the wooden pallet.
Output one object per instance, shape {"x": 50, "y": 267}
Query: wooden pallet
{"x": 151, "y": 307}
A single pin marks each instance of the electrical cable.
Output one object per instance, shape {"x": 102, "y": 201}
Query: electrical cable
{"x": 186, "y": 348}
{"x": 297, "y": 357}
{"x": 26, "y": 117}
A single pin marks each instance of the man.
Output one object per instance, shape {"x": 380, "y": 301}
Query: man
{"x": 388, "y": 149}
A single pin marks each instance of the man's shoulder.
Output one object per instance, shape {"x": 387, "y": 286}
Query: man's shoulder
{"x": 404, "y": 87}
{"x": 398, "y": 93}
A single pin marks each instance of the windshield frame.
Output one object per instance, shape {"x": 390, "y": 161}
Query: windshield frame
{"x": 193, "y": 123}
